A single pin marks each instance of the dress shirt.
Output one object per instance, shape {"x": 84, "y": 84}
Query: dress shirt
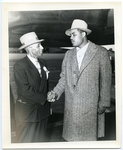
{"x": 80, "y": 54}
{"x": 36, "y": 63}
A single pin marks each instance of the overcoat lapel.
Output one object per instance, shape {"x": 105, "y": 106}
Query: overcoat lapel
{"x": 74, "y": 62}
{"x": 75, "y": 69}
{"x": 89, "y": 54}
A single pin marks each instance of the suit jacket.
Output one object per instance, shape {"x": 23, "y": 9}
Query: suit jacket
{"x": 32, "y": 105}
{"x": 85, "y": 90}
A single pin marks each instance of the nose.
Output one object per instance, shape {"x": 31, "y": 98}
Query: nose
{"x": 71, "y": 37}
{"x": 41, "y": 47}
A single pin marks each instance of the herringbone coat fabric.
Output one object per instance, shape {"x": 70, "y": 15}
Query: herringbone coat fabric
{"x": 85, "y": 90}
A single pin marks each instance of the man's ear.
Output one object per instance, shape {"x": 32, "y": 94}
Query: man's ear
{"x": 84, "y": 34}
{"x": 27, "y": 49}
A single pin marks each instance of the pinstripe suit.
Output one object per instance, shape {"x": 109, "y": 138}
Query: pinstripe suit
{"x": 32, "y": 107}
{"x": 85, "y": 90}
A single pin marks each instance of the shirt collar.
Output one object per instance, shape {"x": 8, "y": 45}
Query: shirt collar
{"x": 32, "y": 59}
{"x": 83, "y": 48}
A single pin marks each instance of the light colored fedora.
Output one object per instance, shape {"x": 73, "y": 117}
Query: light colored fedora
{"x": 78, "y": 24}
{"x": 29, "y": 39}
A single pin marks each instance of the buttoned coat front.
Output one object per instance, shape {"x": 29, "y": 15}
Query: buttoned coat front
{"x": 85, "y": 90}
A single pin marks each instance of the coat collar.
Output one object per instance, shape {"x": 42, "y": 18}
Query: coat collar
{"x": 31, "y": 65}
{"x": 89, "y": 54}
{"x": 33, "y": 72}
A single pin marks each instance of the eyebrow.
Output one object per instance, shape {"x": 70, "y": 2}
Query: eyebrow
{"x": 73, "y": 32}
{"x": 37, "y": 44}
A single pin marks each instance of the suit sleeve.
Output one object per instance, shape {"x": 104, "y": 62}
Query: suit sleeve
{"x": 27, "y": 91}
{"x": 60, "y": 87}
{"x": 105, "y": 79}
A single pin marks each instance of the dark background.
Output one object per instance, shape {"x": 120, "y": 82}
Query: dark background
{"x": 51, "y": 26}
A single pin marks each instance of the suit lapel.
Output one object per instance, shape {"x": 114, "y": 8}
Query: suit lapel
{"x": 33, "y": 72}
{"x": 42, "y": 70}
{"x": 43, "y": 83}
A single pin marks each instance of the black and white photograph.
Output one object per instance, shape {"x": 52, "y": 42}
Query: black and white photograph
{"x": 62, "y": 80}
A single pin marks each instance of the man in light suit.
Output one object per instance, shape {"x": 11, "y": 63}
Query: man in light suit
{"x": 86, "y": 80}
{"x": 31, "y": 77}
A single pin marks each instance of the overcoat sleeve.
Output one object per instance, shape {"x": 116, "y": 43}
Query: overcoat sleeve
{"x": 60, "y": 87}
{"x": 105, "y": 79}
{"x": 25, "y": 88}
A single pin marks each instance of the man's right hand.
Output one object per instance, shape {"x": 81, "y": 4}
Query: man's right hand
{"x": 51, "y": 96}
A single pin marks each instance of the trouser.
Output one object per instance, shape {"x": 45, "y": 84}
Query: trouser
{"x": 27, "y": 132}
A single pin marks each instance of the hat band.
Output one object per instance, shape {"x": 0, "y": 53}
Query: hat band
{"x": 31, "y": 41}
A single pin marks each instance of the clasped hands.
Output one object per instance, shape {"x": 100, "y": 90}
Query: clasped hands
{"x": 51, "y": 96}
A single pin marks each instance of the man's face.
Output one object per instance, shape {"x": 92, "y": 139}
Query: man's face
{"x": 36, "y": 50}
{"x": 76, "y": 38}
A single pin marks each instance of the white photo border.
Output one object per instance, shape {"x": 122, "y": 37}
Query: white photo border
{"x": 27, "y": 6}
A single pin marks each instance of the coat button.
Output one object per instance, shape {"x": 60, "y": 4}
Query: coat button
{"x": 74, "y": 86}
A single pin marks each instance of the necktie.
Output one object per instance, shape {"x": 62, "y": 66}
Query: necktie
{"x": 38, "y": 67}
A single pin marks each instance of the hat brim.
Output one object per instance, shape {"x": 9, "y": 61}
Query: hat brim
{"x": 68, "y": 32}
{"x": 24, "y": 46}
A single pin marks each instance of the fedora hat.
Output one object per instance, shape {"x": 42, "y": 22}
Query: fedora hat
{"x": 29, "y": 39}
{"x": 78, "y": 24}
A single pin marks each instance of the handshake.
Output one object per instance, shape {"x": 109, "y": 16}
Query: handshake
{"x": 52, "y": 96}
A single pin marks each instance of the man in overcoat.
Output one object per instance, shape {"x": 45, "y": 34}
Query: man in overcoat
{"x": 31, "y": 77}
{"x": 86, "y": 80}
